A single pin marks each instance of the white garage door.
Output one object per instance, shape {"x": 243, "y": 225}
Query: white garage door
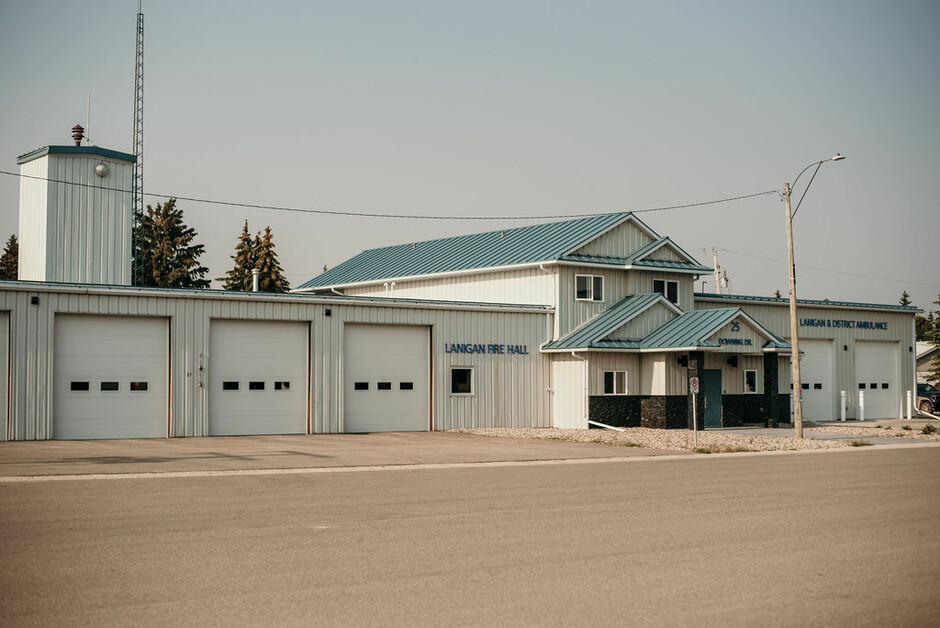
{"x": 4, "y": 372}
{"x": 257, "y": 377}
{"x": 110, "y": 377}
{"x": 876, "y": 372}
{"x": 386, "y": 378}
{"x": 816, "y": 376}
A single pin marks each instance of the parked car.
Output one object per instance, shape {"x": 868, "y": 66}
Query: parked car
{"x": 928, "y": 398}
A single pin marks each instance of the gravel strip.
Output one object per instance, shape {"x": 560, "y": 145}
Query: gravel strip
{"x": 672, "y": 440}
{"x": 876, "y": 430}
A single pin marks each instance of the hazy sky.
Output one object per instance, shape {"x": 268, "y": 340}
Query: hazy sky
{"x": 512, "y": 109}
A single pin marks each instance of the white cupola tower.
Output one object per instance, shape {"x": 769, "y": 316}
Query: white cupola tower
{"x": 75, "y": 214}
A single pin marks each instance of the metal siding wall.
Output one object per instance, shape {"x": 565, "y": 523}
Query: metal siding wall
{"x": 621, "y": 241}
{"x": 643, "y": 283}
{"x": 89, "y": 226}
{"x": 528, "y": 286}
{"x": 776, "y": 318}
{"x": 601, "y": 362}
{"x": 568, "y": 392}
{"x": 570, "y": 312}
{"x": 644, "y": 324}
{"x": 746, "y": 333}
{"x": 667, "y": 254}
{"x": 511, "y": 390}
{"x": 732, "y": 379}
{"x": 34, "y": 194}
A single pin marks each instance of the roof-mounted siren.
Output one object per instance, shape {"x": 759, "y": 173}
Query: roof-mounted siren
{"x": 78, "y": 134}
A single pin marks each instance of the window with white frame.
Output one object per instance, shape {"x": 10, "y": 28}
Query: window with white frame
{"x": 669, "y": 289}
{"x": 588, "y": 287}
{"x": 750, "y": 381}
{"x": 461, "y": 380}
{"x": 615, "y": 382}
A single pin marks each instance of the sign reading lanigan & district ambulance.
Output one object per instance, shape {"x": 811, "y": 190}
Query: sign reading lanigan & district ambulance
{"x": 838, "y": 322}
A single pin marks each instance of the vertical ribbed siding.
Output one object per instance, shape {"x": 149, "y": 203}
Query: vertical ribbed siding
{"x": 524, "y": 286}
{"x": 511, "y": 390}
{"x": 621, "y": 241}
{"x": 34, "y": 193}
{"x": 89, "y": 221}
{"x": 601, "y": 362}
{"x": 570, "y": 312}
{"x": 776, "y": 318}
{"x": 643, "y": 282}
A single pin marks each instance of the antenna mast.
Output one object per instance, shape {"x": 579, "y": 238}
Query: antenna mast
{"x": 137, "y": 191}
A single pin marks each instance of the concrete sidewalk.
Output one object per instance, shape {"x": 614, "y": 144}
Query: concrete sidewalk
{"x": 32, "y": 458}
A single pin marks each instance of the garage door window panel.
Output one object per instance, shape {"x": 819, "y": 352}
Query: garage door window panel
{"x": 110, "y": 386}
{"x": 79, "y": 387}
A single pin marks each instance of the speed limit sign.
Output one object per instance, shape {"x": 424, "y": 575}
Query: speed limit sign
{"x": 693, "y": 384}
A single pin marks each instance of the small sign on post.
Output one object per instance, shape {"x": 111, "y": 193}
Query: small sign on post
{"x": 693, "y": 386}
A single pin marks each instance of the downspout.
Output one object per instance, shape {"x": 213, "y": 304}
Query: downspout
{"x": 335, "y": 291}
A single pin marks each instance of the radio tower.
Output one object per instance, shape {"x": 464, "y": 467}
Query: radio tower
{"x": 137, "y": 189}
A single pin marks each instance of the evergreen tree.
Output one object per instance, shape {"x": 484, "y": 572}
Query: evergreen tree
{"x": 164, "y": 253}
{"x": 905, "y": 298}
{"x": 272, "y": 277}
{"x": 10, "y": 260}
{"x": 933, "y": 375}
{"x": 239, "y": 278}
{"x": 257, "y": 252}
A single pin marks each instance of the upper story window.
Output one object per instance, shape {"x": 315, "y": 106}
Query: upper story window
{"x": 669, "y": 289}
{"x": 589, "y": 288}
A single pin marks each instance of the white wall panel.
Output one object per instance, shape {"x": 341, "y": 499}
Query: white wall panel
{"x": 569, "y": 392}
{"x": 525, "y": 286}
{"x": 621, "y": 241}
{"x": 34, "y": 194}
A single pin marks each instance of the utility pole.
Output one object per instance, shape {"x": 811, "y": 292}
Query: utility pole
{"x": 717, "y": 271}
{"x": 794, "y": 336}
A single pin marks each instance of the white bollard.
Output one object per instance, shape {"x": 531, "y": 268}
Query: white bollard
{"x": 845, "y": 403}
{"x": 861, "y": 405}
{"x": 909, "y": 405}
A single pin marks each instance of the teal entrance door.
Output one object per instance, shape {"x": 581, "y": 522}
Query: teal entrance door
{"x": 711, "y": 386}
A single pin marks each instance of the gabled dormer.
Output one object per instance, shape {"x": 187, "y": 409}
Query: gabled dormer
{"x": 621, "y": 327}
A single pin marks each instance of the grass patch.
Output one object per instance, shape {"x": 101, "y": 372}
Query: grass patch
{"x": 906, "y": 427}
{"x": 860, "y": 442}
{"x": 715, "y": 449}
{"x": 928, "y": 429}
{"x": 630, "y": 443}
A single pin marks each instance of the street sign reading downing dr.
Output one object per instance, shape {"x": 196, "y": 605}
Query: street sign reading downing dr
{"x": 693, "y": 384}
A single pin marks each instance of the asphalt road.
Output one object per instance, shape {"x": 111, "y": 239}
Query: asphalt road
{"x": 825, "y": 538}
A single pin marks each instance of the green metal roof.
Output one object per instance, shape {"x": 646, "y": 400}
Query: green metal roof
{"x": 786, "y": 301}
{"x": 590, "y": 335}
{"x": 636, "y": 258}
{"x": 75, "y": 150}
{"x": 692, "y": 329}
{"x": 544, "y": 242}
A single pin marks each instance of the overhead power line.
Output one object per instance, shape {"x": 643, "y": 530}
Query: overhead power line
{"x": 832, "y": 270}
{"x": 355, "y": 214}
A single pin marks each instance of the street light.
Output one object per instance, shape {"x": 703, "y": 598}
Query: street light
{"x": 794, "y": 338}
